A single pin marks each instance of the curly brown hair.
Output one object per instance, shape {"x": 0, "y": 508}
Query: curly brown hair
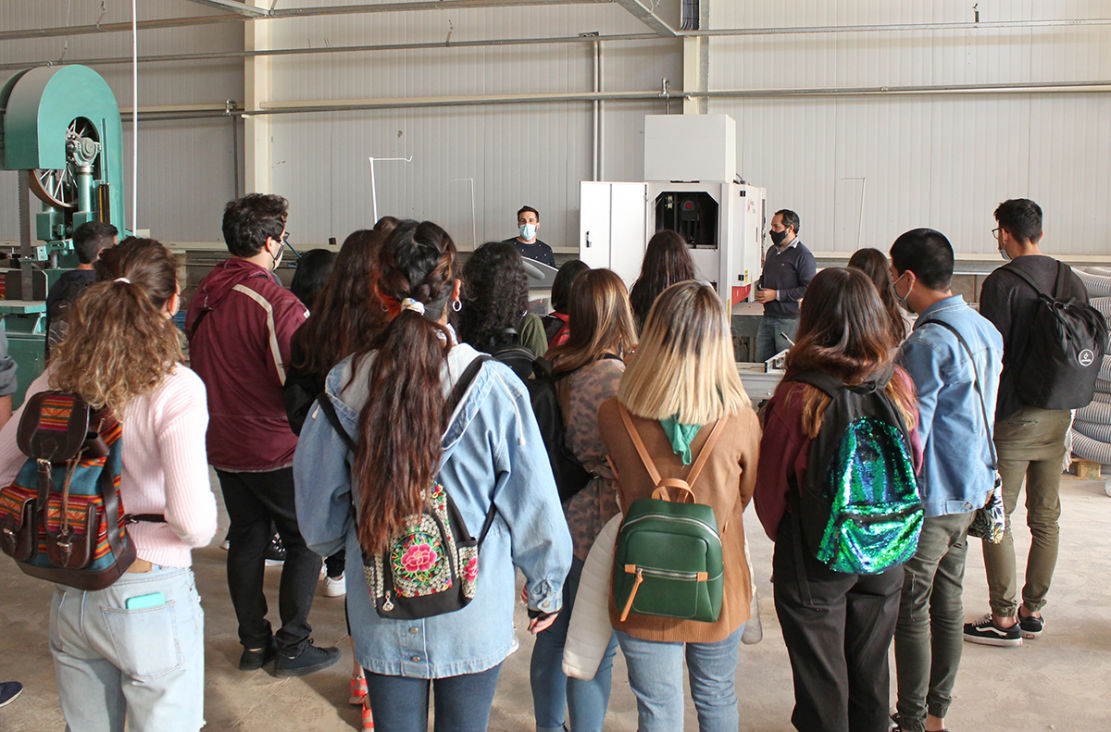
{"x": 121, "y": 342}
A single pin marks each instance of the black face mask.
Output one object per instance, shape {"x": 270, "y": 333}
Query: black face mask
{"x": 778, "y": 237}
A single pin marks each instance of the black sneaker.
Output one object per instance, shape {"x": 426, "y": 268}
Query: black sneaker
{"x": 311, "y": 660}
{"x": 986, "y": 632}
{"x": 275, "y": 552}
{"x": 1031, "y": 625}
{"x": 254, "y": 659}
{"x": 9, "y": 690}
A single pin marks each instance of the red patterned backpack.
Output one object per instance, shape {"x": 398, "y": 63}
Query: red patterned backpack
{"x": 62, "y": 519}
{"x": 431, "y": 565}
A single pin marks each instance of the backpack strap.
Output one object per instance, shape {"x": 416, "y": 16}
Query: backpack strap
{"x": 650, "y": 464}
{"x": 830, "y": 385}
{"x": 329, "y": 410}
{"x": 1059, "y": 289}
{"x": 638, "y": 443}
{"x": 464, "y": 382}
{"x": 704, "y": 453}
{"x": 975, "y": 382}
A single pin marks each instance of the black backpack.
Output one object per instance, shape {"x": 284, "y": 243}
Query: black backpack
{"x": 1068, "y": 340}
{"x": 860, "y": 511}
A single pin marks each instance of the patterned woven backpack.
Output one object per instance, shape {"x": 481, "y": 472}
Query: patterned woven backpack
{"x": 431, "y": 565}
{"x": 62, "y": 519}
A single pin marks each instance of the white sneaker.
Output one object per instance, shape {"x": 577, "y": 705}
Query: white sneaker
{"x": 335, "y": 586}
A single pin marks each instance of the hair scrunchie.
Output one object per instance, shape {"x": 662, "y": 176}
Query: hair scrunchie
{"x": 123, "y": 280}
{"x": 415, "y": 305}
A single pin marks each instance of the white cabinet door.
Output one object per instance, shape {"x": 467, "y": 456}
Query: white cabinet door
{"x": 594, "y": 223}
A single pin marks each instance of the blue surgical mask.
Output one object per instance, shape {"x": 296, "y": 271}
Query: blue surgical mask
{"x": 528, "y": 231}
{"x": 1003, "y": 253}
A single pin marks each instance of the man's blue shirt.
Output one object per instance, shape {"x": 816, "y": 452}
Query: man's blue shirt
{"x": 957, "y": 462}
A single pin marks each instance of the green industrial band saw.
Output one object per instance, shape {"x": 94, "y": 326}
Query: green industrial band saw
{"x": 60, "y": 129}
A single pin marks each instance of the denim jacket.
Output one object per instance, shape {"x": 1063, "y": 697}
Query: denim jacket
{"x": 492, "y": 452}
{"x": 957, "y": 463}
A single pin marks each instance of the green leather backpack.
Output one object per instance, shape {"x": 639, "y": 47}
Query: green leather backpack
{"x": 667, "y": 561}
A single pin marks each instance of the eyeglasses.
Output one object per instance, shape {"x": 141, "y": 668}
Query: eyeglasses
{"x": 995, "y": 232}
{"x": 285, "y": 243}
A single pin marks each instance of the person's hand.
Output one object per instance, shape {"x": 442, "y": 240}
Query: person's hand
{"x": 766, "y": 296}
{"x": 541, "y": 623}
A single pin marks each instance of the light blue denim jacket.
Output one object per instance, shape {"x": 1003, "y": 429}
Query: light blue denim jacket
{"x": 492, "y": 451}
{"x": 957, "y": 463}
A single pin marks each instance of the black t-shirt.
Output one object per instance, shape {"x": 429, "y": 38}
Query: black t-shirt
{"x": 1010, "y": 304}
{"x": 62, "y": 296}
{"x": 537, "y": 251}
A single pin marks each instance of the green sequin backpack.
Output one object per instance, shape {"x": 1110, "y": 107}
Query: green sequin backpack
{"x": 858, "y": 510}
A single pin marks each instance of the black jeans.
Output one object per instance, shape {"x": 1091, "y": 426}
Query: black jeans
{"x": 254, "y": 500}
{"x": 838, "y": 629}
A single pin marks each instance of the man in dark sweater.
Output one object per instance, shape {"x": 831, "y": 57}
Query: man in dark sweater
{"x": 526, "y": 243}
{"x": 88, "y": 241}
{"x": 788, "y": 268}
{"x": 1030, "y": 441}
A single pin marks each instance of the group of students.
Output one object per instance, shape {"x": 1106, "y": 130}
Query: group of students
{"x": 398, "y": 405}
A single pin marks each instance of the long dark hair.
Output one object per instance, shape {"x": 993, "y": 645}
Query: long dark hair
{"x": 347, "y": 313}
{"x": 873, "y": 263}
{"x": 667, "y": 260}
{"x": 313, "y": 270}
{"x": 495, "y": 296}
{"x": 842, "y": 331}
{"x": 564, "y": 279}
{"x": 401, "y": 424}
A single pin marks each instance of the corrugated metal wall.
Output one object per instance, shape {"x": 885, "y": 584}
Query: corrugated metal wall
{"x": 942, "y": 161}
{"x": 186, "y": 166}
{"x": 535, "y": 154}
{"x": 938, "y": 161}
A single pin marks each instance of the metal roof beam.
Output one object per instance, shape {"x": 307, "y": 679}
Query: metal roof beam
{"x": 648, "y": 17}
{"x": 235, "y": 6}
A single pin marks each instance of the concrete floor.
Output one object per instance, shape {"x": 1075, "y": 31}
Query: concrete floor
{"x": 1059, "y": 682}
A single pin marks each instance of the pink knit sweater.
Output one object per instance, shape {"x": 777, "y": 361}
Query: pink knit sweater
{"x": 165, "y": 470}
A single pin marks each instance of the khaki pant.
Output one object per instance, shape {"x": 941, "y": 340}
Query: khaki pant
{"x": 1031, "y": 444}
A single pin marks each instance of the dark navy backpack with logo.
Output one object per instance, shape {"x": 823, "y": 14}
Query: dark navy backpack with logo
{"x": 1068, "y": 340}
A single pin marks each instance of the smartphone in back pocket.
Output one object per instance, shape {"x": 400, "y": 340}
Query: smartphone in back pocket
{"x": 139, "y": 602}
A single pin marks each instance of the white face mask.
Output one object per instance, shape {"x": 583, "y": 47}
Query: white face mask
{"x": 528, "y": 231}
{"x": 902, "y": 300}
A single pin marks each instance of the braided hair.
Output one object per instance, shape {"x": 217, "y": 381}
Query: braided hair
{"x": 400, "y": 425}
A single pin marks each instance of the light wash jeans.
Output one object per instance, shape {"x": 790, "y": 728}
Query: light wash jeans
{"x": 656, "y": 677}
{"x": 145, "y": 666}
{"x": 552, "y": 692}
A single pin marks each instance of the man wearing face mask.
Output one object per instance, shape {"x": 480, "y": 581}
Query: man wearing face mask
{"x": 788, "y": 268}
{"x": 239, "y": 324}
{"x": 528, "y": 223}
{"x": 1030, "y": 440}
{"x": 956, "y": 389}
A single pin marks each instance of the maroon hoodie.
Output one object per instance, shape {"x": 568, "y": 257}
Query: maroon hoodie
{"x": 239, "y": 325}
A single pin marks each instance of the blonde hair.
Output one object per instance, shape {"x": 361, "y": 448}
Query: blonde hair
{"x": 684, "y": 366}
{"x": 120, "y": 343}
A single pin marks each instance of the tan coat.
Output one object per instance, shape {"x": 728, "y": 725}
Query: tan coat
{"x": 726, "y": 484}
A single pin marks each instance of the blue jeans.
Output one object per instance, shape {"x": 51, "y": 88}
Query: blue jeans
{"x": 770, "y": 336}
{"x": 145, "y": 665}
{"x": 552, "y": 692}
{"x": 656, "y": 678}
{"x": 463, "y": 703}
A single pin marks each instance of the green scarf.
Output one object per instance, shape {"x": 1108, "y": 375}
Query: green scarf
{"x": 681, "y": 436}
